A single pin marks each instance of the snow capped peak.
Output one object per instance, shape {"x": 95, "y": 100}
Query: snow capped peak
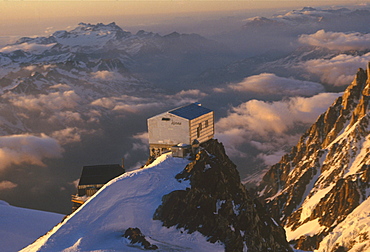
{"x": 99, "y": 29}
{"x": 90, "y": 35}
{"x": 37, "y": 40}
{"x": 308, "y": 9}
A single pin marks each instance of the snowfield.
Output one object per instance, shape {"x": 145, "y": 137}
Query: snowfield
{"x": 20, "y": 226}
{"x": 127, "y": 201}
{"x": 353, "y": 232}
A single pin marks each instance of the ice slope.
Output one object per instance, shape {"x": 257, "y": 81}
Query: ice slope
{"x": 127, "y": 201}
{"x": 353, "y": 232}
{"x": 19, "y": 226}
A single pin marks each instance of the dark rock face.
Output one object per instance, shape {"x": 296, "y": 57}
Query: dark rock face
{"x": 329, "y": 164}
{"x": 218, "y": 206}
{"x": 136, "y": 237}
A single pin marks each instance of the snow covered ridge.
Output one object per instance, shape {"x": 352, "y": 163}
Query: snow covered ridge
{"x": 19, "y": 226}
{"x": 84, "y": 36}
{"x": 127, "y": 201}
{"x": 352, "y": 234}
{"x": 319, "y": 186}
{"x": 131, "y": 201}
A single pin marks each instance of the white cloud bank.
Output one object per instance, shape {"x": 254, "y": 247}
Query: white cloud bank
{"x": 106, "y": 75}
{"x": 68, "y": 135}
{"x": 54, "y": 101}
{"x": 27, "y": 47}
{"x": 337, "y": 40}
{"x": 7, "y": 185}
{"x": 133, "y": 104}
{"x": 270, "y": 84}
{"x": 267, "y": 125}
{"x": 27, "y": 149}
{"x": 339, "y": 70}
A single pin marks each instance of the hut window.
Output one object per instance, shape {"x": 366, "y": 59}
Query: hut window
{"x": 165, "y": 119}
{"x": 206, "y": 124}
{"x": 200, "y": 126}
{"x": 198, "y": 132}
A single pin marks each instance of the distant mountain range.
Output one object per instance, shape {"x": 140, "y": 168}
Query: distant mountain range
{"x": 98, "y": 47}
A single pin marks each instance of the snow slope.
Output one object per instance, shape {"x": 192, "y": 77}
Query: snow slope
{"x": 127, "y": 201}
{"x": 352, "y": 233}
{"x": 19, "y": 226}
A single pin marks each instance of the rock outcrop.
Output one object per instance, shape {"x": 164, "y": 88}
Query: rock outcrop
{"x": 137, "y": 238}
{"x": 326, "y": 175}
{"x": 218, "y": 206}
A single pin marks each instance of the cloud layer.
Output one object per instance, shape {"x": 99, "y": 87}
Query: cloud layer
{"x": 53, "y": 101}
{"x": 7, "y": 185}
{"x": 27, "y": 149}
{"x": 270, "y": 84}
{"x": 106, "y": 75}
{"x": 28, "y": 47}
{"x": 134, "y": 104}
{"x": 339, "y": 70}
{"x": 267, "y": 126}
{"x": 337, "y": 40}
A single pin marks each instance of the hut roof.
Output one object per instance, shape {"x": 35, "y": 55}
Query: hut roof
{"x": 99, "y": 174}
{"x": 190, "y": 111}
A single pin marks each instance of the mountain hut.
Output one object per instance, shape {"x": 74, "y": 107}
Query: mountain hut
{"x": 181, "y": 126}
{"x": 93, "y": 178}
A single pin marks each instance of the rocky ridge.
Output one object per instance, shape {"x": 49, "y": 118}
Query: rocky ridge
{"x": 173, "y": 204}
{"x": 326, "y": 175}
{"x": 218, "y": 206}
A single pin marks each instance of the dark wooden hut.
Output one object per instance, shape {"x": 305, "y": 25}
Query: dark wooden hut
{"x": 93, "y": 178}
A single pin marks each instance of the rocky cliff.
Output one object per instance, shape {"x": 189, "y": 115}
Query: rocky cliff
{"x": 326, "y": 175}
{"x": 218, "y": 206}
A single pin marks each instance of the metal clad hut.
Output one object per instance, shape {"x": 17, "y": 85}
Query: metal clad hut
{"x": 180, "y": 125}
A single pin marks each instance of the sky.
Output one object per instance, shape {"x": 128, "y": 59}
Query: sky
{"x": 31, "y": 18}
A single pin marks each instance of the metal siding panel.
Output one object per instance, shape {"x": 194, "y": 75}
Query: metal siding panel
{"x": 163, "y": 133}
{"x": 173, "y": 131}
